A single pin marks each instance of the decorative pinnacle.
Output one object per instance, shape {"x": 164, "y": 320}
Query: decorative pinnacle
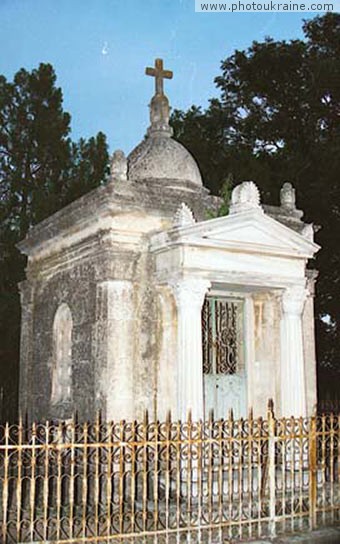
{"x": 244, "y": 197}
{"x": 287, "y": 196}
{"x": 183, "y": 216}
{"x": 159, "y": 106}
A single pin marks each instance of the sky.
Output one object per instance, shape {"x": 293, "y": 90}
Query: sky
{"x": 100, "y": 49}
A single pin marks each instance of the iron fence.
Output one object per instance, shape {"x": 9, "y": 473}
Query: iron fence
{"x": 225, "y": 479}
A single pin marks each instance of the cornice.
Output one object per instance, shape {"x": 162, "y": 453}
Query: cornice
{"x": 109, "y": 201}
{"x": 202, "y": 235}
{"x": 88, "y": 250}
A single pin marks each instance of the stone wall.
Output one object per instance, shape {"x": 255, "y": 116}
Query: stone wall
{"x": 264, "y": 378}
{"x": 72, "y": 287}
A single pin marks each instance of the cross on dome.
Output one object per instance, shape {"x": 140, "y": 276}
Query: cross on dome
{"x": 159, "y": 74}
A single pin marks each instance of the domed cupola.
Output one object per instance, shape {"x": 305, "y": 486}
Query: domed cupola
{"x": 159, "y": 158}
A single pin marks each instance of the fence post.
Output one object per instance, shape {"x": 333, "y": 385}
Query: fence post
{"x": 271, "y": 470}
{"x": 312, "y": 472}
{"x": 5, "y": 489}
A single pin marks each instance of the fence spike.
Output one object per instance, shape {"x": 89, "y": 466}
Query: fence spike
{"x": 146, "y": 417}
{"x": 270, "y": 407}
{"x": 189, "y": 416}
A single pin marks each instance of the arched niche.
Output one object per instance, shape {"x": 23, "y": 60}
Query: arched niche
{"x": 62, "y": 355}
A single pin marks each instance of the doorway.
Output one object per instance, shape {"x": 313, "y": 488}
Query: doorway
{"x": 224, "y": 373}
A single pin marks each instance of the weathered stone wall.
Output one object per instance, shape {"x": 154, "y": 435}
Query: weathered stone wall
{"x": 115, "y": 341}
{"x": 265, "y": 376}
{"x": 167, "y": 368}
{"x": 73, "y": 287}
{"x": 146, "y": 338}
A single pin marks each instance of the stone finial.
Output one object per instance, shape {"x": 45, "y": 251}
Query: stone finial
{"x": 118, "y": 166}
{"x": 183, "y": 216}
{"x": 244, "y": 197}
{"x": 159, "y": 106}
{"x": 287, "y": 196}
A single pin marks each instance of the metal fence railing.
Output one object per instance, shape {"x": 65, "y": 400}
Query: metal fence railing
{"x": 227, "y": 479}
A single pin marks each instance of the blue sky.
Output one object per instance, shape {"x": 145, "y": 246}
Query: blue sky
{"x": 100, "y": 49}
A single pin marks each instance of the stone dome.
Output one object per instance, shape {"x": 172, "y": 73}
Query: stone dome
{"x": 160, "y": 158}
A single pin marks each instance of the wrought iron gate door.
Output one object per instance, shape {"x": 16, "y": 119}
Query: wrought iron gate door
{"x": 223, "y": 357}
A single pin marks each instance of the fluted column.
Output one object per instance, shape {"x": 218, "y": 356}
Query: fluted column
{"x": 293, "y": 382}
{"x": 189, "y": 294}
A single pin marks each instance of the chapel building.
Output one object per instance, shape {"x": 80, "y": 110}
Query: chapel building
{"x": 134, "y": 300}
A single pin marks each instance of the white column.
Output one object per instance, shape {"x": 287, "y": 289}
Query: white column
{"x": 293, "y": 383}
{"x": 189, "y": 294}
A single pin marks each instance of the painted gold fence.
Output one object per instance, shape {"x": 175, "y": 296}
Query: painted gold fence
{"x": 225, "y": 479}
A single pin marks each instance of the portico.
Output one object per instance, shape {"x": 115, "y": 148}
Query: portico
{"x": 250, "y": 258}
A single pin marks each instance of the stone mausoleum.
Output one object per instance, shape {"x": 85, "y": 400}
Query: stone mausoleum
{"x": 135, "y": 300}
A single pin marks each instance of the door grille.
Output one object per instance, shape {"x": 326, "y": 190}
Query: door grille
{"x": 221, "y": 319}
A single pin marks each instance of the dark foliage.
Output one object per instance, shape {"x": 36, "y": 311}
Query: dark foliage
{"x": 41, "y": 170}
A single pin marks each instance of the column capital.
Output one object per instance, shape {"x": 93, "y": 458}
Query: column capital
{"x": 190, "y": 291}
{"x": 293, "y": 300}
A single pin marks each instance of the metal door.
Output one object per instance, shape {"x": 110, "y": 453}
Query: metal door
{"x": 223, "y": 357}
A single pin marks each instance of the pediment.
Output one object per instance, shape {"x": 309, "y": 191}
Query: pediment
{"x": 248, "y": 233}
{"x": 251, "y": 231}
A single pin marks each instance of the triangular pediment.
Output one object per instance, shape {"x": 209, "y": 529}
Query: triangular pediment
{"x": 250, "y": 231}
{"x": 247, "y": 233}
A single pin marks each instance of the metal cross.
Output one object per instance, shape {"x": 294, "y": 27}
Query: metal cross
{"x": 159, "y": 74}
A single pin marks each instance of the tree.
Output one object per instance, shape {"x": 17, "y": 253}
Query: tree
{"x": 278, "y": 118}
{"x": 41, "y": 170}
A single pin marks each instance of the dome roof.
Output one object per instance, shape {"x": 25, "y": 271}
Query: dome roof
{"x": 158, "y": 157}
